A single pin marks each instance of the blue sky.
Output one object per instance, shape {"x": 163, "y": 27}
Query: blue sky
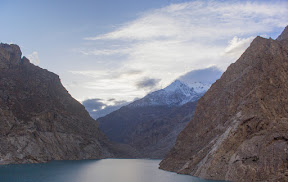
{"x": 103, "y": 49}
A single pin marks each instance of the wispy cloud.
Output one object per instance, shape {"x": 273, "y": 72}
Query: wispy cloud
{"x": 147, "y": 83}
{"x": 208, "y": 75}
{"x": 202, "y": 19}
{"x": 104, "y": 52}
{"x": 109, "y": 74}
{"x": 119, "y": 84}
{"x": 236, "y": 46}
{"x": 34, "y": 58}
{"x": 99, "y": 108}
{"x": 165, "y": 43}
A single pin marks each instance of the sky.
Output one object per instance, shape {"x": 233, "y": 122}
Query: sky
{"x": 114, "y": 51}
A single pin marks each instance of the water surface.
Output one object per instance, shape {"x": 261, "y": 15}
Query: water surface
{"x": 105, "y": 170}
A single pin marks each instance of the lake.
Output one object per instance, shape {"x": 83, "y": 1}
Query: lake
{"x": 105, "y": 170}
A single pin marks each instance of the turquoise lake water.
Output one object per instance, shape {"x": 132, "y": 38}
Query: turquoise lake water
{"x": 105, "y": 170}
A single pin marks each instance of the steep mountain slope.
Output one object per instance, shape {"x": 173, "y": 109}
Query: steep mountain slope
{"x": 151, "y": 124}
{"x": 155, "y": 137}
{"x": 39, "y": 120}
{"x": 240, "y": 128}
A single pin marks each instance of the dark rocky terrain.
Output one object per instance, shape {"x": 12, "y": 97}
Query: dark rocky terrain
{"x": 151, "y": 130}
{"x": 154, "y": 138}
{"x": 39, "y": 120}
{"x": 240, "y": 128}
{"x": 151, "y": 125}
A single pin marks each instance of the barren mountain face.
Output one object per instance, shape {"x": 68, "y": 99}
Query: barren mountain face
{"x": 240, "y": 128}
{"x": 39, "y": 120}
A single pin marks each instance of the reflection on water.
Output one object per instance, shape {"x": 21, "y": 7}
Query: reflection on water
{"x": 105, "y": 170}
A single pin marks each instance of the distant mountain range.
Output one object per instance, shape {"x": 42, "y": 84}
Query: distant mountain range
{"x": 200, "y": 80}
{"x": 151, "y": 124}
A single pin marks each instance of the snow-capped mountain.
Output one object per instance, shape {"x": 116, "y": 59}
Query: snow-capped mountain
{"x": 152, "y": 124}
{"x": 199, "y": 87}
{"x": 175, "y": 94}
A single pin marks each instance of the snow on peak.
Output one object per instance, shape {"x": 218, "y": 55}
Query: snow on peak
{"x": 178, "y": 86}
{"x": 200, "y": 87}
{"x": 175, "y": 85}
{"x": 175, "y": 94}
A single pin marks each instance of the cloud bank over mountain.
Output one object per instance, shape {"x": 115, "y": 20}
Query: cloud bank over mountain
{"x": 207, "y": 75}
{"x": 98, "y": 108}
{"x": 163, "y": 44}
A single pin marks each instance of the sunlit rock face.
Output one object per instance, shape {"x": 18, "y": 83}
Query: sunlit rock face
{"x": 240, "y": 128}
{"x": 39, "y": 120}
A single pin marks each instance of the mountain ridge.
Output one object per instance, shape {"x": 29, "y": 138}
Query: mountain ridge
{"x": 175, "y": 94}
{"x": 240, "y": 135}
{"x": 151, "y": 124}
{"x": 39, "y": 119}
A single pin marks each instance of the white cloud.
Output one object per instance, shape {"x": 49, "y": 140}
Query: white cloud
{"x": 236, "y": 46}
{"x": 108, "y": 83}
{"x": 147, "y": 27}
{"x": 168, "y": 42}
{"x": 104, "y": 52}
{"x": 202, "y": 19}
{"x": 34, "y": 58}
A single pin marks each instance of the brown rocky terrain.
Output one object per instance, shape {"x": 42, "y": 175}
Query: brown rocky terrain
{"x": 240, "y": 128}
{"x": 39, "y": 120}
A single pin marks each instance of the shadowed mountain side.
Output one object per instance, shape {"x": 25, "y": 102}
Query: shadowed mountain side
{"x": 39, "y": 119}
{"x": 154, "y": 138}
{"x": 152, "y": 131}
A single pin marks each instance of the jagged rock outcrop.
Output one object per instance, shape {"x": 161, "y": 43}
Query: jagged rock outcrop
{"x": 240, "y": 128}
{"x": 39, "y": 120}
{"x": 284, "y": 34}
{"x": 152, "y": 124}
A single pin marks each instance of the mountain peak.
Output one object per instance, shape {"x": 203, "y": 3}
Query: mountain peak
{"x": 197, "y": 87}
{"x": 34, "y": 106}
{"x": 174, "y": 85}
{"x": 11, "y": 53}
{"x": 175, "y": 94}
{"x": 284, "y": 34}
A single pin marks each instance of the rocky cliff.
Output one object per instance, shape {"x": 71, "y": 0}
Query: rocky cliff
{"x": 39, "y": 120}
{"x": 240, "y": 128}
